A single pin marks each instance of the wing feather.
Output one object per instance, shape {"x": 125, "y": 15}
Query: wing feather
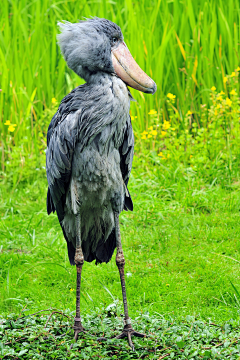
{"x": 126, "y": 151}
{"x": 58, "y": 166}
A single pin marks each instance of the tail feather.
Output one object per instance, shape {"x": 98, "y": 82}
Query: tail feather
{"x": 71, "y": 253}
{"x": 105, "y": 249}
{"x": 103, "y": 252}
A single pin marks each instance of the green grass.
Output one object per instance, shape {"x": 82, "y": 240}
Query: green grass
{"x": 42, "y": 336}
{"x": 181, "y": 245}
{"x": 182, "y": 252}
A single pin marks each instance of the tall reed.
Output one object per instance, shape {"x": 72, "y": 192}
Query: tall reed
{"x": 186, "y": 46}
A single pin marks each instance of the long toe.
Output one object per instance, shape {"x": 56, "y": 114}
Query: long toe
{"x": 101, "y": 339}
{"x": 129, "y": 335}
{"x": 78, "y": 328}
{"x": 77, "y": 331}
{"x": 122, "y": 335}
{"x": 135, "y": 333}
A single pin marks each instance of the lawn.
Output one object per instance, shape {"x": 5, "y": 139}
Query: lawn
{"x": 181, "y": 242}
{"x": 181, "y": 245}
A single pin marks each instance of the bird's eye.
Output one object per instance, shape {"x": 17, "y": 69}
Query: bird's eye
{"x": 114, "y": 40}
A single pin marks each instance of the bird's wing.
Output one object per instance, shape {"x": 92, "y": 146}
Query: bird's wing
{"x": 61, "y": 140}
{"x": 62, "y": 136}
{"x": 126, "y": 157}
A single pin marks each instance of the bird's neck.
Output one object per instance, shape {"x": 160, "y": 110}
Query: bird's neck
{"x": 112, "y": 88}
{"x": 106, "y": 103}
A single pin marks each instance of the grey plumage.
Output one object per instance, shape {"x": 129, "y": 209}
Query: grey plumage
{"x": 86, "y": 46}
{"x": 90, "y": 142}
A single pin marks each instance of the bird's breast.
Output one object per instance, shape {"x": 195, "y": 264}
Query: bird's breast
{"x": 96, "y": 177}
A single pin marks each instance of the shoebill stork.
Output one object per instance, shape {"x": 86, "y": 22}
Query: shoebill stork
{"x": 90, "y": 148}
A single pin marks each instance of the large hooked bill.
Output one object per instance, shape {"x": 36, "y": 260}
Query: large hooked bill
{"x": 129, "y": 71}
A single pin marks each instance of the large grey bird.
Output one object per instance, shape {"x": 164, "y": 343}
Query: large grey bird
{"x": 90, "y": 148}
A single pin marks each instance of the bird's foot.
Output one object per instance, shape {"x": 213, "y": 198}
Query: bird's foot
{"x": 78, "y": 328}
{"x": 78, "y": 331}
{"x": 129, "y": 332}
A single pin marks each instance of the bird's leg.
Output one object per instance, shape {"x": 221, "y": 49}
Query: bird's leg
{"x": 120, "y": 261}
{"x": 79, "y": 260}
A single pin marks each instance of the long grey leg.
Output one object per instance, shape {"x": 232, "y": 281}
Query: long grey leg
{"x": 120, "y": 261}
{"x": 79, "y": 260}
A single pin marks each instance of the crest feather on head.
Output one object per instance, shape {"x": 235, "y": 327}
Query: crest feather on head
{"x": 86, "y": 45}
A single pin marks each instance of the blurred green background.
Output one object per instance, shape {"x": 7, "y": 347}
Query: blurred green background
{"x": 186, "y": 46}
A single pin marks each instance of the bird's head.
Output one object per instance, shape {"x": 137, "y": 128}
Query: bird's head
{"x": 97, "y": 45}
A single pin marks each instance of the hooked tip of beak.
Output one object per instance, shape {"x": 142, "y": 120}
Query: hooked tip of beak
{"x": 151, "y": 90}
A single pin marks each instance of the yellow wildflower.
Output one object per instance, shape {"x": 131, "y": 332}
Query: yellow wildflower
{"x": 213, "y": 88}
{"x": 163, "y": 133}
{"x": 7, "y": 123}
{"x": 233, "y": 74}
{"x": 171, "y": 96}
{"x": 225, "y": 79}
{"x": 11, "y": 128}
{"x": 221, "y": 93}
{"x": 54, "y": 100}
{"x": 149, "y": 136}
{"x": 238, "y": 68}
{"x": 218, "y": 106}
{"x": 168, "y": 155}
{"x": 167, "y": 285}
{"x": 191, "y": 156}
{"x": 219, "y": 98}
{"x": 173, "y": 129}
{"x": 144, "y": 133}
{"x": 132, "y": 118}
{"x": 189, "y": 112}
{"x": 166, "y": 125}
{"x": 152, "y": 112}
{"x": 228, "y": 102}
{"x": 71, "y": 290}
{"x": 160, "y": 154}
{"x": 150, "y": 128}
{"x": 233, "y": 92}
{"x": 143, "y": 137}
{"x": 154, "y": 132}
{"x": 215, "y": 112}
